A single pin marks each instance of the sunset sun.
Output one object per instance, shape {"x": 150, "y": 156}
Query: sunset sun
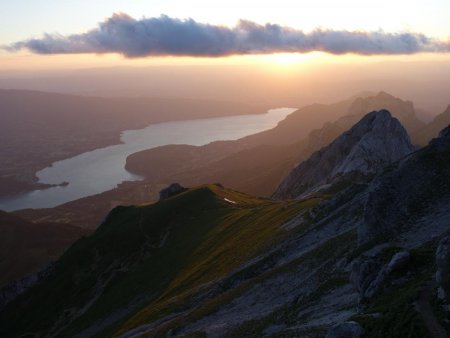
{"x": 287, "y": 59}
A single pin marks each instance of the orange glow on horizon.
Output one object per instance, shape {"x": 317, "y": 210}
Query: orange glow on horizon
{"x": 279, "y": 61}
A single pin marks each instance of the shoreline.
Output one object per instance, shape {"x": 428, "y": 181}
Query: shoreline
{"x": 27, "y": 181}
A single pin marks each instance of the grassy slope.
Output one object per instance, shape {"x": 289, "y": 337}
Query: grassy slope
{"x": 158, "y": 251}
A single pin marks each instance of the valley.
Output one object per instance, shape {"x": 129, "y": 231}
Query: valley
{"x": 40, "y": 128}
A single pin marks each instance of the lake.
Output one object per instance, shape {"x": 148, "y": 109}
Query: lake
{"x": 103, "y": 169}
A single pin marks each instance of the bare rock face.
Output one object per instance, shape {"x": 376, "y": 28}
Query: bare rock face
{"x": 375, "y": 141}
{"x": 443, "y": 267}
{"x": 412, "y": 187}
{"x": 346, "y": 330}
{"x": 171, "y": 190}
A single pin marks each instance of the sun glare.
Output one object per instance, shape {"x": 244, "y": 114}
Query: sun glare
{"x": 291, "y": 59}
{"x": 287, "y": 58}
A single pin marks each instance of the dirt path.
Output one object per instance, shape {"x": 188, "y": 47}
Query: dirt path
{"x": 423, "y": 306}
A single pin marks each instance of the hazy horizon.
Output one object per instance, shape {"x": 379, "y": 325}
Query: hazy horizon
{"x": 284, "y": 53}
{"x": 292, "y": 83}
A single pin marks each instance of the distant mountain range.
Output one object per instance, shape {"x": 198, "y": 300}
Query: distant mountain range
{"x": 353, "y": 255}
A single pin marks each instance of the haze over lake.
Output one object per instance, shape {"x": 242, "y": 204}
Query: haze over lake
{"x": 103, "y": 169}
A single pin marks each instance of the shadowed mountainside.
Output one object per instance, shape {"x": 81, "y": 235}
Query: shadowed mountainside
{"x": 148, "y": 247}
{"x": 26, "y": 247}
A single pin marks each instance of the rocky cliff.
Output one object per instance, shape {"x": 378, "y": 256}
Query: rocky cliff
{"x": 417, "y": 188}
{"x": 375, "y": 141}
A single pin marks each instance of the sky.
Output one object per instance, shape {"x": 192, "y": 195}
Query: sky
{"x": 22, "y": 19}
{"x": 381, "y": 20}
{"x": 293, "y": 49}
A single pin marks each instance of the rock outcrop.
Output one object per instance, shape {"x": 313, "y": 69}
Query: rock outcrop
{"x": 171, "y": 190}
{"x": 375, "y": 141}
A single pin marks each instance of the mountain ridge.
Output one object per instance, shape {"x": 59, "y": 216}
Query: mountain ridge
{"x": 372, "y": 143}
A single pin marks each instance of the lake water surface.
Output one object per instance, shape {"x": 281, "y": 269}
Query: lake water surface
{"x": 103, "y": 169}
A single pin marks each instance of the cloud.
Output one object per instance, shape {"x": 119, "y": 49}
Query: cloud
{"x": 168, "y": 36}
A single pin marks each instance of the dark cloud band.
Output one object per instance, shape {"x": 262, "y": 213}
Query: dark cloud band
{"x": 168, "y": 36}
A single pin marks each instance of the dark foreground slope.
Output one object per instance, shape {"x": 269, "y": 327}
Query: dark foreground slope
{"x": 215, "y": 262}
{"x": 141, "y": 257}
{"x": 26, "y": 247}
